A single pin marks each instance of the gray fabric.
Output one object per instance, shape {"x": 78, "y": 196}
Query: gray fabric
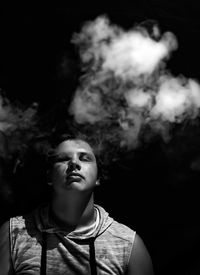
{"x": 69, "y": 253}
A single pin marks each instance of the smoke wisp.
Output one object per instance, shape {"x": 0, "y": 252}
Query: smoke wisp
{"x": 18, "y": 124}
{"x": 126, "y": 89}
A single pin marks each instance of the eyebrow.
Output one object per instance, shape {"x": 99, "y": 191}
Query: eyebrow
{"x": 66, "y": 154}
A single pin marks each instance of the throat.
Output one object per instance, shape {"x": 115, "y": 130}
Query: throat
{"x": 74, "y": 214}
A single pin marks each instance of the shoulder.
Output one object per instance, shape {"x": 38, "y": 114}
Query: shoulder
{"x": 4, "y": 227}
{"x": 4, "y": 233}
{"x": 5, "y": 257}
{"x": 122, "y": 231}
{"x": 25, "y": 222}
{"x": 21, "y": 228}
{"x": 115, "y": 228}
{"x": 17, "y": 224}
{"x": 140, "y": 260}
{"x": 13, "y": 225}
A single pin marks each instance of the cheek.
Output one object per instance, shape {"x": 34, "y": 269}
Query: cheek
{"x": 92, "y": 172}
{"x": 58, "y": 172}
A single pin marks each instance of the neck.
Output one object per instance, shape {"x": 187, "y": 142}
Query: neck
{"x": 74, "y": 211}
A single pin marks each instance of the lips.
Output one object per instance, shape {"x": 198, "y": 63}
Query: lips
{"x": 74, "y": 175}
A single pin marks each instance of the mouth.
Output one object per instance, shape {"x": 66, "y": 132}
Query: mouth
{"x": 74, "y": 177}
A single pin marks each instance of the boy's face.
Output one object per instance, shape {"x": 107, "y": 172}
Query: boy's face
{"x": 75, "y": 167}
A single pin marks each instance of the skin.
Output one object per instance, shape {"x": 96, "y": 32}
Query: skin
{"x": 74, "y": 156}
{"x": 73, "y": 203}
{"x": 140, "y": 261}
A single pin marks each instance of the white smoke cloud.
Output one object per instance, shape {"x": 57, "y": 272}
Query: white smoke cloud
{"x": 138, "y": 98}
{"x": 12, "y": 117}
{"x": 4, "y": 114}
{"x": 134, "y": 54}
{"x": 127, "y": 54}
{"x": 87, "y": 107}
{"x": 16, "y": 123}
{"x": 126, "y": 83}
{"x": 176, "y": 98}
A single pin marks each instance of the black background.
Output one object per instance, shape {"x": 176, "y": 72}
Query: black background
{"x": 154, "y": 190}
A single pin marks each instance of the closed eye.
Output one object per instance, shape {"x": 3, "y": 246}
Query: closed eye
{"x": 86, "y": 157}
{"x": 62, "y": 158}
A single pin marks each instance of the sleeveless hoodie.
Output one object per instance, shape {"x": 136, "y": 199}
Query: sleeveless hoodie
{"x": 35, "y": 240}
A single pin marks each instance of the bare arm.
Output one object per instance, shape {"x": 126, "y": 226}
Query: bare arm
{"x": 5, "y": 259}
{"x": 140, "y": 260}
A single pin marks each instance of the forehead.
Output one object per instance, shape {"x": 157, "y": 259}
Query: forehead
{"x": 75, "y": 145}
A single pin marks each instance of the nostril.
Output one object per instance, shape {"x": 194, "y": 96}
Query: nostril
{"x": 73, "y": 166}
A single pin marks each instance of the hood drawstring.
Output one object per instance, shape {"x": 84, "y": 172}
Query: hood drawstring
{"x": 93, "y": 265}
{"x": 43, "y": 254}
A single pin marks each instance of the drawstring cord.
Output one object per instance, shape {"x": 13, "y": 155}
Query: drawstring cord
{"x": 43, "y": 254}
{"x": 93, "y": 265}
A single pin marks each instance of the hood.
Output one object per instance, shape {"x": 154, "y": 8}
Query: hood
{"x": 43, "y": 224}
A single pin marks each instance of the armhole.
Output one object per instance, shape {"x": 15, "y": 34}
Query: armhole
{"x": 131, "y": 247}
{"x": 11, "y": 244}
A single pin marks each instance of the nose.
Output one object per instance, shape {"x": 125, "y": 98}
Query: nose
{"x": 73, "y": 165}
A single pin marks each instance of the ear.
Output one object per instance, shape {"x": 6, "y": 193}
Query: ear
{"x": 98, "y": 182}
